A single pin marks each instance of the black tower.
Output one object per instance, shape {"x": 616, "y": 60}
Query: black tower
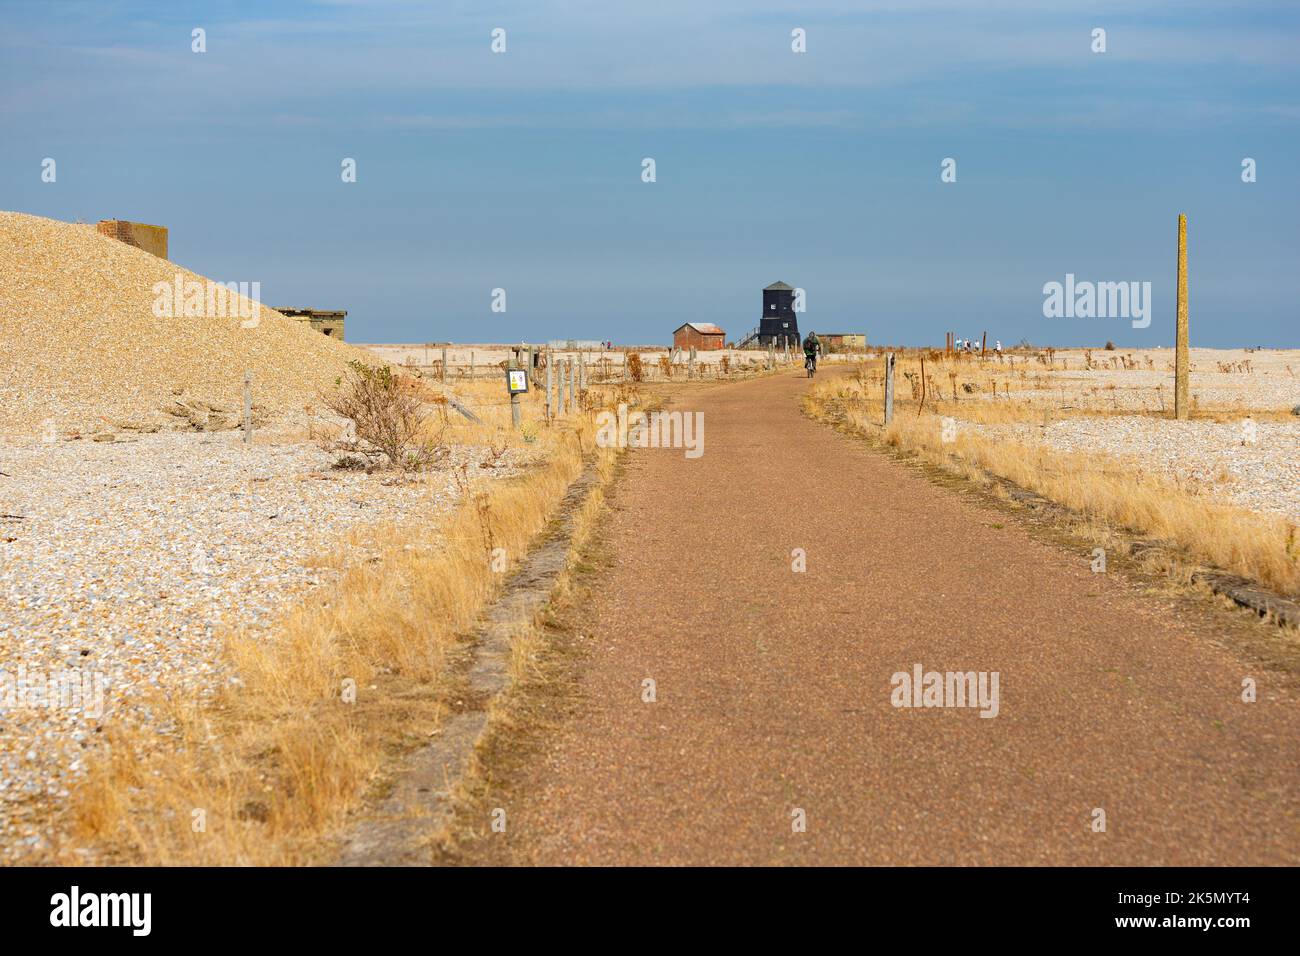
{"x": 778, "y": 323}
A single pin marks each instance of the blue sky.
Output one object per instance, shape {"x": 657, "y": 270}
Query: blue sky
{"x": 522, "y": 170}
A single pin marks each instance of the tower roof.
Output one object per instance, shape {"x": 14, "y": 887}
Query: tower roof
{"x": 779, "y": 287}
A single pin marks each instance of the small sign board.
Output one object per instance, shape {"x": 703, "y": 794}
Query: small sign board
{"x": 516, "y": 380}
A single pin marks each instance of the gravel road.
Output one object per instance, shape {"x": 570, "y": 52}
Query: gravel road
{"x": 775, "y": 692}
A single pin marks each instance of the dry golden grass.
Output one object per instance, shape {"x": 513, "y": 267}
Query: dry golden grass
{"x": 275, "y": 763}
{"x": 1262, "y": 548}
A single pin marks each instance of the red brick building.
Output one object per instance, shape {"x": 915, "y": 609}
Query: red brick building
{"x": 705, "y": 336}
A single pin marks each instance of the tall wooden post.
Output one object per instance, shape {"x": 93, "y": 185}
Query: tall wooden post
{"x": 690, "y": 367}
{"x": 471, "y": 365}
{"x": 443, "y": 377}
{"x": 889, "y": 388}
{"x": 1182, "y": 410}
{"x": 573, "y": 389}
{"x": 582, "y": 371}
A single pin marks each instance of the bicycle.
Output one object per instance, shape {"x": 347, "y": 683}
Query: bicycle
{"x": 810, "y": 363}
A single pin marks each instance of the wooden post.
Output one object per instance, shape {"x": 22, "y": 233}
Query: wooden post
{"x": 582, "y": 371}
{"x": 690, "y": 367}
{"x": 471, "y": 366}
{"x": 248, "y": 406}
{"x": 444, "y": 365}
{"x": 514, "y": 397}
{"x": 550, "y": 389}
{"x": 1182, "y": 411}
{"x": 984, "y": 341}
{"x": 889, "y": 388}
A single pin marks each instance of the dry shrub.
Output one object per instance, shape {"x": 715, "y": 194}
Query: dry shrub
{"x": 388, "y": 413}
{"x": 635, "y": 370}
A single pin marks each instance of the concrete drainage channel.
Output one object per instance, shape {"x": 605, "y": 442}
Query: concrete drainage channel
{"x": 397, "y": 832}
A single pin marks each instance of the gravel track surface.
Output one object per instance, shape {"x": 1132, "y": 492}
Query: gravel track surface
{"x": 774, "y": 687}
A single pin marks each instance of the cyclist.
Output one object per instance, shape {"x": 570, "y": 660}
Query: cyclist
{"x": 812, "y": 347}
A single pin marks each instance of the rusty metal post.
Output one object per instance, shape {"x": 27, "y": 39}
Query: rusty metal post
{"x": 1182, "y": 411}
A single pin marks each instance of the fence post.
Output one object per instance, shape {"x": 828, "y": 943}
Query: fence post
{"x": 444, "y": 365}
{"x": 889, "y": 388}
{"x": 690, "y": 365}
{"x": 513, "y": 363}
{"x": 248, "y": 406}
{"x": 1181, "y": 409}
{"x": 582, "y": 371}
{"x": 550, "y": 391}
{"x": 573, "y": 387}
{"x": 471, "y": 366}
